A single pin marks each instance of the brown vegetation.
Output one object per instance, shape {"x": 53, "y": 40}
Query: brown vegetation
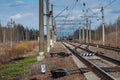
{"x": 18, "y": 50}
{"x": 112, "y": 34}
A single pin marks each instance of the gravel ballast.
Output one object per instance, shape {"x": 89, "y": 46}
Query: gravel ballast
{"x": 57, "y": 58}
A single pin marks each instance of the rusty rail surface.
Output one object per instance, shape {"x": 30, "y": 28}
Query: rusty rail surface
{"x": 100, "y": 54}
{"x": 117, "y": 49}
{"x": 97, "y": 70}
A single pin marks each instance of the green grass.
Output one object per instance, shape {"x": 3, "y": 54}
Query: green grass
{"x": 15, "y": 69}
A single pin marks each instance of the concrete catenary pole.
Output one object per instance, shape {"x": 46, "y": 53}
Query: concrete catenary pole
{"x": 86, "y": 30}
{"x": 79, "y": 33}
{"x": 116, "y": 34}
{"x": 60, "y": 33}
{"x": 11, "y": 32}
{"x": 41, "y": 31}
{"x": 103, "y": 27}
{"x": 95, "y": 33}
{"x": 54, "y": 30}
{"x": 52, "y": 19}
{"x": 83, "y": 34}
{"x": 90, "y": 31}
{"x": 26, "y": 33}
{"x": 48, "y": 25}
{"x": 4, "y": 37}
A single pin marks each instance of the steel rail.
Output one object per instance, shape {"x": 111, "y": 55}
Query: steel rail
{"x": 100, "y": 54}
{"x": 101, "y": 73}
{"x": 104, "y": 47}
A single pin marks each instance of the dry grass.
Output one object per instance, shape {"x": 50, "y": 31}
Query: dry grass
{"x": 97, "y": 42}
{"x": 111, "y": 39}
{"x": 17, "y": 51}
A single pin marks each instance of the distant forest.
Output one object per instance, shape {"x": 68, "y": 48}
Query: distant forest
{"x": 20, "y": 33}
{"x": 112, "y": 33}
{"x": 17, "y": 32}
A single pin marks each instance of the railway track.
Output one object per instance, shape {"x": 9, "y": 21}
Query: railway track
{"x": 105, "y": 47}
{"x": 101, "y": 71}
{"x": 108, "y": 52}
{"x": 116, "y": 49}
{"x": 100, "y": 54}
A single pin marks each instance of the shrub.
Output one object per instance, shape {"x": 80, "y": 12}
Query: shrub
{"x": 21, "y": 48}
{"x": 17, "y": 51}
{"x": 5, "y": 58}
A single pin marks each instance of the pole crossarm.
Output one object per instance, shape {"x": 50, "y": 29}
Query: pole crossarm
{"x": 88, "y": 16}
{"x": 70, "y": 23}
{"x": 69, "y": 20}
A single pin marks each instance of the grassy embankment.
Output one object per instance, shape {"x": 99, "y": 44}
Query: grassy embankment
{"x": 16, "y": 70}
{"x": 15, "y": 64}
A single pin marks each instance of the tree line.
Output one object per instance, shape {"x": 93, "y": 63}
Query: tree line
{"x": 112, "y": 30}
{"x": 17, "y": 33}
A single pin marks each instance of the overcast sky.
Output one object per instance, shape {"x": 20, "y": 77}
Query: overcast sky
{"x": 26, "y": 12}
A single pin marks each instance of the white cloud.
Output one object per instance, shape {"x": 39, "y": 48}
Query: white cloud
{"x": 20, "y": 1}
{"x": 27, "y": 14}
{"x": 75, "y": 14}
{"x": 71, "y": 17}
{"x": 96, "y": 10}
{"x": 65, "y": 12}
{"x": 19, "y": 16}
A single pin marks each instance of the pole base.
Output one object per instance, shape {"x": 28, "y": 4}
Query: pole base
{"x": 51, "y": 43}
{"x": 48, "y": 49}
{"x": 41, "y": 56}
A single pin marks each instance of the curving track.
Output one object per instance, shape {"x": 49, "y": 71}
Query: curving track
{"x": 101, "y": 71}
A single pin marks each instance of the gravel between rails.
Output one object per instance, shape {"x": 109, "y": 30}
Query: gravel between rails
{"x": 110, "y": 53}
{"x": 103, "y": 63}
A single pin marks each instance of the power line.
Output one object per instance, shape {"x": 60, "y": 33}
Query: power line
{"x": 109, "y": 3}
{"x": 102, "y": 2}
{"x": 80, "y": 4}
{"x": 72, "y": 7}
{"x": 61, "y": 12}
{"x": 94, "y": 13}
{"x": 74, "y": 4}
